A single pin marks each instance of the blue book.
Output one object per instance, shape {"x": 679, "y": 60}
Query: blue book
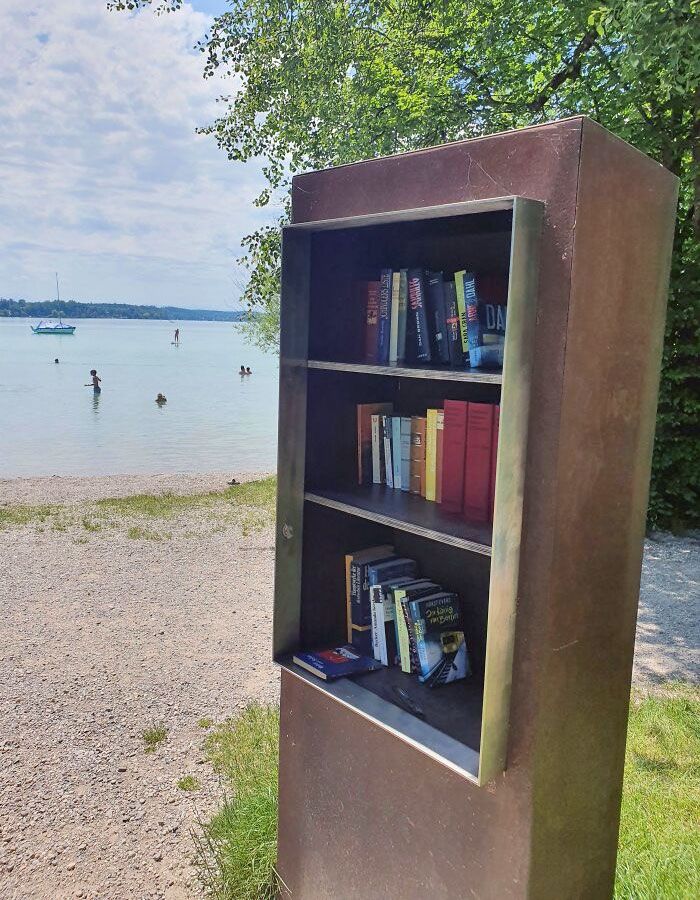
{"x": 439, "y": 637}
{"x": 396, "y": 451}
{"x": 384, "y": 318}
{"x": 337, "y": 662}
{"x": 405, "y": 452}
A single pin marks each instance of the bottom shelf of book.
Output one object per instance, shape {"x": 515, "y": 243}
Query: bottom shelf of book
{"x": 445, "y": 724}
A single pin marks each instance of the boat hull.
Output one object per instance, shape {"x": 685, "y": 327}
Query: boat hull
{"x": 66, "y": 329}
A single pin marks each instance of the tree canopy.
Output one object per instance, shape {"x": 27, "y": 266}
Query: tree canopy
{"x": 326, "y": 82}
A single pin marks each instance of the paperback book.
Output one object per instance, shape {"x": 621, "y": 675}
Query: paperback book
{"x": 337, "y": 662}
{"x": 439, "y": 636}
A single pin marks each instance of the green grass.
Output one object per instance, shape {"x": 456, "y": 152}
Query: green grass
{"x": 205, "y": 722}
{"x": 189, "y": 783}
{"x": 236, "y": 849}
{"x": 153, "y": 737}
{"x": 659, "y": 852}
{"x": 13, "y": 516}
{"x": 137, "y": 533}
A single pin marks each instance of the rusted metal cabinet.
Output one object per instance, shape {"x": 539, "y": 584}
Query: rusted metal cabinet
{"x": 509, "y": 785}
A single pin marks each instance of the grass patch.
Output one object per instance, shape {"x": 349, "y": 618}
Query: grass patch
{"x": 659, "y": 852}
{"x": 90, "y": 525}
{"x": 153, "y": 737}
{"x": 13, "y": 516}
{"x": 137, "y": 533}
{"x": 189, "y": 783}
{"x": 236, "y": 849}
{"x": 205, "y": 722}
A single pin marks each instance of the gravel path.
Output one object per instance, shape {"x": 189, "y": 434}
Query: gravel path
{"x": 105, "y": 635}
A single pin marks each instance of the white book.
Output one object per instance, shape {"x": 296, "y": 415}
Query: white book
{"x": 388, "y": 466}
{"x": 376, "y": 620}
{"x": 394, "y": 321}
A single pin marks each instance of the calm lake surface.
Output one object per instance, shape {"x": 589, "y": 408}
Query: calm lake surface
{"x": 214, "y": 420}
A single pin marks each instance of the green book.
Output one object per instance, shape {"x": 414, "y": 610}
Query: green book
{"x": 402, "y": 312}
{"x": 462, "y": 308}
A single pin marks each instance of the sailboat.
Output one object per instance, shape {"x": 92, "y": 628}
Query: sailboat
{"x": 47, "y": 327}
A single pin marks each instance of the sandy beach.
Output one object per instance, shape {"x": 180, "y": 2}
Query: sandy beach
{"x": 116, "y": 619}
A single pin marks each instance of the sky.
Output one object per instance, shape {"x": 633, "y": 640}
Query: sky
{"x": 102, "y": 177}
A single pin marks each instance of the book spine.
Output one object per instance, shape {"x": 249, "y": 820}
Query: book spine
{"x": 371, "y": 320}
{"x": 477, "y": 465}
{"x": 377, "y": 620}
{"x": 413, "y": 664}
{"x": 388, "y": 463}
{"x": 431, "y": 454}
{"x": 394, "y": 327}
{"x": 436, "y": 304}
{"x": 462, "y": 313}
{"x": 494, "y": 458}
{"x": 384, "y": 323}
{"x": 401, "y": 632}
{"x": 405, "y": 453}
{"x": 453, "y": 330}
{"x": 453, "y": 452}
{"x": 417, "y": 483}
{"x": 419, "y": 314}
{"x": 439, "y": 435}
{"x": 403, "y": 308}
{"x": 348, "y": 601}
{"x": 396, "y": 450}
{"x": 377, "y": 451}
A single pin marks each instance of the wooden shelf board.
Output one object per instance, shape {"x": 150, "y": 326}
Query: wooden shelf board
{"x": 469, "y": 375}
{"x": 407, "y": 512}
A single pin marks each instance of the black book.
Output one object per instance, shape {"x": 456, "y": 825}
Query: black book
{"x": 454, "y": 334}
{"x": 438, "y": 317}
{"x": 418, "y": 337}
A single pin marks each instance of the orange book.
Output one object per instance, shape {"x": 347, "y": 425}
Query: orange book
{"x": 418, "y": 433}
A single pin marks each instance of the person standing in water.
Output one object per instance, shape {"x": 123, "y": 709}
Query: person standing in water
{"x": 95, "y": 383}
{"x": 177, "y": 335}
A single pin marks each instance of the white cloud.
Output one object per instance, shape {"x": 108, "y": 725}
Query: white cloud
{"x": 102, "y": 176}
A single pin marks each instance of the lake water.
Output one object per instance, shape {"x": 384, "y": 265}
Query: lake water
{"x": 214, "y": 420}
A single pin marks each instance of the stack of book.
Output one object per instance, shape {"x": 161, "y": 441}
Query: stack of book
{"x": 417, "y": 316}
{"x": 447, "y": 456}
{"x": 398, "y": 618}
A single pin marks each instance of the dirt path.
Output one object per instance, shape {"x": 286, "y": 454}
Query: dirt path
{"x": 105, "y": 635}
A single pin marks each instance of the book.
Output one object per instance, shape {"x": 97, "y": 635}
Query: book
{"x": 439, "y": 433}
{"x": 355, "y": 574}
{"x": 371, "y": 300}
{"x": 403, "y": 310}
{"x": 452, "y": 324}
{"x": 419, "y": 333}
{"x": 405, "y": 642}
{"x": 365, "y": 411}
{"x": 439, "y": 636}
{"x": 394, "y": 326}
{"x": 396, "y": 450}
{"x": 405, "y": 453}
{"x": 486, "y": 318}
{"x": 418, "y": 427}
{"x": 384, "y": 317}
{"x": 462, "y": 313}
{"x": 438, "y": 317}
{"x": 477, "y": 462}
{"x": 431, "y": 454}
{"x": 382, "y": 619}
{"x": 388, "y": 462}
{"x": 377, "y": 450}
{"x": 494, "y": 457}
{"x": 454, "y": 442}
{"x": 336, "y": 662}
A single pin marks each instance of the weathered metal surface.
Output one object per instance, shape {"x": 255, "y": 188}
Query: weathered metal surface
{"x": 363, "y": 815}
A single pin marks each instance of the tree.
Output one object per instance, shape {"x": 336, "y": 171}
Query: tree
{"x": 325, "y": 82}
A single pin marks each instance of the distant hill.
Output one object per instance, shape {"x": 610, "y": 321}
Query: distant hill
{"x": 71, "y": 309}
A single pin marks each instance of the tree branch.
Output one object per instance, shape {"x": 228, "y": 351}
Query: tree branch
{"x": 568, "y": 72}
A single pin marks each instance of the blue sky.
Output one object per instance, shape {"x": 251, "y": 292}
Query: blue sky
{"x": 102, "y": 177}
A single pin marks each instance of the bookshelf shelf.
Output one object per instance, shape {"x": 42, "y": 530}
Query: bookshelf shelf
{"x": 463, "y": 375}
{"x": 407, "y": 512}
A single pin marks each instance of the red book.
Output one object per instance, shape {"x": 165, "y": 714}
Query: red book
{"x": 370, "y": 289}
{"x": 477, "y": 462}
{"x": 494, "y": 454}
{"x": 454, "y": 437}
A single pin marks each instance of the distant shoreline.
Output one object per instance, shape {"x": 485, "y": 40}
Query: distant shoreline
{"x": 71, "y": 309}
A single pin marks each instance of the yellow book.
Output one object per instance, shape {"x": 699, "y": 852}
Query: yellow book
{"x": 431, "y": 454}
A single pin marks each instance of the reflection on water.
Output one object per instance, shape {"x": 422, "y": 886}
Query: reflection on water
{"x": 217, "y": 420}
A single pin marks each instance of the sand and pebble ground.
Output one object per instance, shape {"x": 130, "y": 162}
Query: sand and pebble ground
{"x": 112, "y": 625}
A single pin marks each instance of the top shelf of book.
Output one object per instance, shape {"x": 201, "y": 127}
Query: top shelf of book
{"x": 479, "y": 376}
